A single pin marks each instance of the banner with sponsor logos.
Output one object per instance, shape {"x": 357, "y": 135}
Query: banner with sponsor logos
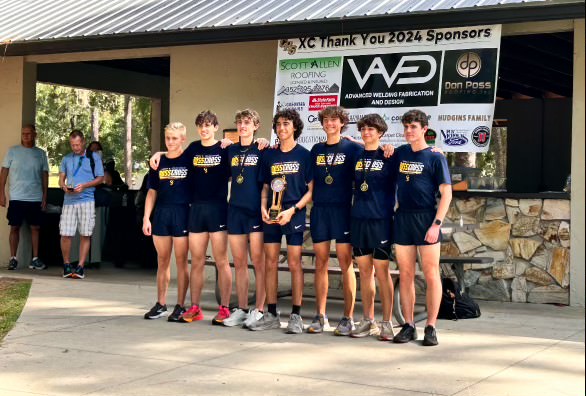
{"x": 450, "y": 74}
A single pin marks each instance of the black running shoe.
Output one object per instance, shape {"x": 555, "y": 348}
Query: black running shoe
{"x": 79, "y": 273}
{"x": 12, "y": 264}
{"x": 429, "y": 337}
{"x": 156, "y": 312}
{"x": 176, "y": 314}
{"x": 67, "y": 271}
{"x": 407, "y": 333}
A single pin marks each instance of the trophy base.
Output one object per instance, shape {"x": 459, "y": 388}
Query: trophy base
{"x": 273, "y": 214}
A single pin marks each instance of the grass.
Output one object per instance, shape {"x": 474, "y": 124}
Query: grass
{"x": 13, "y": 295}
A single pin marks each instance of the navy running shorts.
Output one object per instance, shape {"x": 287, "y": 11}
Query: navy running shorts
{"x": 208, "y": 217}
{"x": 330, "y": 222}
{"x": 170, "y": 220}
{"x": 273, "y": 233}
{"x": 411, "y": 226}
{"x": 20, "y": 211}
{"x": 369, "y": 234}
{"x": 242, "y": 221}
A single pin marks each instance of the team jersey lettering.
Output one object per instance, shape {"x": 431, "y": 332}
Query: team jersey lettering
{"x": 411, "y": 168}
{"x": 251, "y": 160}
{"x": 321, "y": 159}
{"x": 284, "y": 168}
{"x": 205, "y": 161}
{"x": 172, "y": 173}
{"x": 376, "y": 166}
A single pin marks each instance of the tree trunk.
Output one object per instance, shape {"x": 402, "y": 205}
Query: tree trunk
{"x": 95, "y": 124}
{"x": 128, "y": 141}
{"x": 498, "y": 143}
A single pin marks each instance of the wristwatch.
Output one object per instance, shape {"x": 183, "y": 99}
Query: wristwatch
{"x": 297, "y": 210}
{"x": 437, "y": 222}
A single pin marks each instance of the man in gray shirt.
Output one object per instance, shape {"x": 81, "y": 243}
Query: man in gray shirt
{"x": 27, "y": 168}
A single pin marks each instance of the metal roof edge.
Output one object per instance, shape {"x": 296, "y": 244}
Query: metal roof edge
{"x": 513, "y": 13}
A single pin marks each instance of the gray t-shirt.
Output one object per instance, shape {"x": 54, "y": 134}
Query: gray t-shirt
{"x": 26, "y": 172}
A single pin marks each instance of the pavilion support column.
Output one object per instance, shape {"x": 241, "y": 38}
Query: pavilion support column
{"x": 17, "y": 107}
{"x": 157, "y": 137}
{"x": 577, "y": 256}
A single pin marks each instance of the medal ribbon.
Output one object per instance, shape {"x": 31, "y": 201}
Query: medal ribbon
{"x": 365, "y": 170}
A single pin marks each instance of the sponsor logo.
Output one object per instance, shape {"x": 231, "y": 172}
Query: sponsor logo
{"x": 454, "y": 138}
{"x": 298, "y": 227}
{"x": 255, "y": 227}
{"x": 481, "y": 136}
{"x": 469, "y": 64}
{"x": 385, "y": 241}
{"x": 346, "y": 232}
{"x": 172, "y": 173}
{"x": 283, "y": 168}
{"x": 430, "y": 137}
{"x": 378, "y": 67}
{"x": 207, "y": 160}
{"x": 317, "y": 103}
{"x": 288, "y": 46}
{"x": 411, "y": 168}
{"x": 222, "y": 225}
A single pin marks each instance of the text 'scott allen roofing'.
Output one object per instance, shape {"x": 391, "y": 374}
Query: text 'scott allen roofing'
{"x": 36, "y": 26}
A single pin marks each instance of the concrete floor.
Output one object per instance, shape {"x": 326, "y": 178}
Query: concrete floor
{"x": 87, "y": 337}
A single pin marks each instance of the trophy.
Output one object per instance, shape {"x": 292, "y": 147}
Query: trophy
{"x": 278, "y": 185}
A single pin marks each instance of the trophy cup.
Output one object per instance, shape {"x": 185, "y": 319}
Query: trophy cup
{"x": 278, "y": 185}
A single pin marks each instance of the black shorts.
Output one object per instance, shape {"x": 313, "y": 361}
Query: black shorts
{"x": 208, "y": 217}
{"x": 369, "y": 234}
{"x": 411, "y": 227}
{"x": 242, "y": 221}
{"x": 330, "y": 222}
{"x": 292, "y": 230}
{"x": 170, "y": 220}
{"x": 19, "y": 211}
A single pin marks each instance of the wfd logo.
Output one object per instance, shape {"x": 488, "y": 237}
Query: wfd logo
{"x": 378, "y": 67}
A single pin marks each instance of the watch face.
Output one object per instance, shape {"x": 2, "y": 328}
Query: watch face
{"x": 438, "y": 222}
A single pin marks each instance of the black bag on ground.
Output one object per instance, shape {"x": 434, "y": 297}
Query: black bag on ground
{"x": 455, "y": 303}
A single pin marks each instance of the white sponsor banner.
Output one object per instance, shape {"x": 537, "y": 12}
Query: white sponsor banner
{"x": 448, "y": 73}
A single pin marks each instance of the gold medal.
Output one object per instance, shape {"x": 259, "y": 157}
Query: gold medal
{"x": 364, "y": 187}
{"x": 329, "y": 179}
{"x": 240, "y": 179}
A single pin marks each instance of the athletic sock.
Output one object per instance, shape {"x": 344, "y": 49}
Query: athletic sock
{"x": 296, "y": 310}
{"x": 273, "y": 309}
{"x": 244, "y": 309}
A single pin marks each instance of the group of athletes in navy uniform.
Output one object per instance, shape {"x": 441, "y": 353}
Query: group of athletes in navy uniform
{"x": 353, "y": 187}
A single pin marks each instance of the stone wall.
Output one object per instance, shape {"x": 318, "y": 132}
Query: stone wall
{"x": 529, "y": 240}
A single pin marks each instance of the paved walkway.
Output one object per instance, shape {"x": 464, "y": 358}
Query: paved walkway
{"x": 88, "y": 338}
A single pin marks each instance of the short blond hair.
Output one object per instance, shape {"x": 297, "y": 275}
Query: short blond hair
{"x": 248, "y": 113}
{"x": 176, "y": 127}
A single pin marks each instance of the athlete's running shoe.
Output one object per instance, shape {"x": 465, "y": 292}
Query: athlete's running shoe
{"x": 37, "y": 264}
{"x": 367, "y": 327}
{"x": 345, "y": 327}
{"x": 429, "y": 336}
{"x": 156, "y": 312}
{"x": 191, "y": 315}
{"x": 268, "y": 321}
{"x": 254, "y": 316}
{"x": 386, "y": 331}
{"x": 79, "y": 273}
{"x": 67, "y": 271}
{"x": 237, "y": 318}
{"x": 295, "y": 325}
{"x": 221, "y": 316}
{"x": 407, "y": 333}
{"x": 176, "y": 314}
{"x": 319, "y": 324}
{"x": 12, "y": 264}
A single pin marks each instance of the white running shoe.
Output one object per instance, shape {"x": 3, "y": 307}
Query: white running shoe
{"x": 237, "y": 318}
{"x": 254, "y": 316}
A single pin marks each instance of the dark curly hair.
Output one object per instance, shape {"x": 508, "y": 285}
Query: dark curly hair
{"x": 334, "y": 112}
{"x": 291, "y": 115}
{"x": 206, "y": 116}
{"x": 415, "y": 116}
{"x": 374, "y": 121}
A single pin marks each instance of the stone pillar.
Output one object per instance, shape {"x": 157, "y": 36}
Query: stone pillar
{"x": 17, "y": 107}
{"x": 578, "y": 257}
